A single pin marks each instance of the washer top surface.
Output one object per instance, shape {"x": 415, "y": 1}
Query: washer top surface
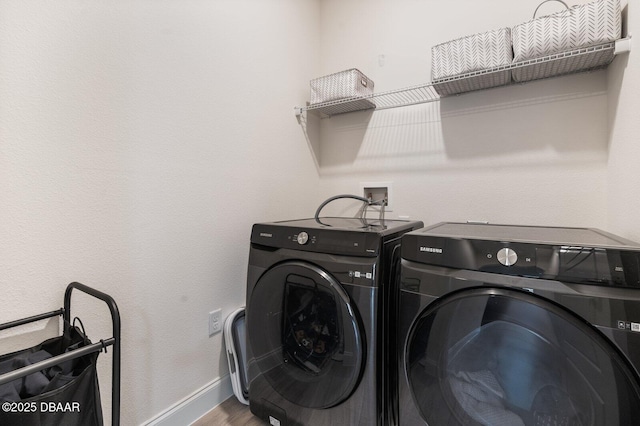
{"x": 545, "y": 235}
{"x": 349, "y": 224}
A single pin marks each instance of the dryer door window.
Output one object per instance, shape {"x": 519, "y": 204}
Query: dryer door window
{"x": 305, "y": 336}
{"x": 495, "y": 356}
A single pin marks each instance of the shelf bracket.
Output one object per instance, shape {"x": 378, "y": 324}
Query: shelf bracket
{"x": 623, "y": 45}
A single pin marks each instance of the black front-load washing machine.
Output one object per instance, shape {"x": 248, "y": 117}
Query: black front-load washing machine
{"x": 316, "y": 319}
{"x": 518, "y": 325}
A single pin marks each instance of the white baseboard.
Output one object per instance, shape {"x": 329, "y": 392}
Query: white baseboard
{"x": 195, "y": 405}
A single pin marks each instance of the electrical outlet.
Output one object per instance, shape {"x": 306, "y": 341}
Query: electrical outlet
{"x": 215, "y": 322}
{"x": 377, "y": 192}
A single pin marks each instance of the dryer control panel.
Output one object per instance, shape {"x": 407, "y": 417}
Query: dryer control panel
{"x": 581, "y": 263}
{"x": 477, "y": 255}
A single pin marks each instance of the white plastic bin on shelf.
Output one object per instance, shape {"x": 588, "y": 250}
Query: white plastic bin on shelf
{"x": 577, "y": 27}
{"x": 468, "y": 54}
{"x": 341, "y": 85}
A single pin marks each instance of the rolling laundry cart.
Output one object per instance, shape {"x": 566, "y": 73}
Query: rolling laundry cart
{"x": 56, "y": 382}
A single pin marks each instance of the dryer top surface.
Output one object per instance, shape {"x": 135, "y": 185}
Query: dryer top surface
{"x": 545, "y": 235}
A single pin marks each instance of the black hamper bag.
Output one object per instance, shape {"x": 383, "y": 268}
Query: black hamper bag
{"x": 65, "y": 394}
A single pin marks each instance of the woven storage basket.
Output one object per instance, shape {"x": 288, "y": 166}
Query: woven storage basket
{"x": 476, "y": 52}
{"x": 578, "y": 27}
{"x": 341, "y": 85}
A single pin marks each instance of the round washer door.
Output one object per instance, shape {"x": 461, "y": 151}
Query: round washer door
{"x": 304, "y": 335}
{"x": 506, "y": 357}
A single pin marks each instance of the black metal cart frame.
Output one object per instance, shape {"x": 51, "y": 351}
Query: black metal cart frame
{"x": 114, "y": 341}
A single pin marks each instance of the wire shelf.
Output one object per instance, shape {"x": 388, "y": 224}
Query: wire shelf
{"x": 574, "y": 61}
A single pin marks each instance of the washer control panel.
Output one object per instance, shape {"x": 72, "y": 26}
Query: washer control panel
{"x": 339, "y": 242}
{"x": 302, "y": 238}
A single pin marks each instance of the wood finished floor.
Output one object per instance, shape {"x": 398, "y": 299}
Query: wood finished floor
{"x": 230, "y": 413}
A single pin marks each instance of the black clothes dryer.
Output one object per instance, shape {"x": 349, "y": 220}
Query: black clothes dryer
{"x": 316, "y": 319}
{"x": 518, "y": 325}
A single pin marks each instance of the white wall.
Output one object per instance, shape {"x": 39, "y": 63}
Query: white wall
{"x": 535, "y": 153}
{"x": 139, "y": 140}
{"x": 623, "y": 185}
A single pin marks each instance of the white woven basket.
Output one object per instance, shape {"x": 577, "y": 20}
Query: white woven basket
{"x": 468, "y": 54}
{"x": 584, "y": 25}
{"x": 341, "y": 85}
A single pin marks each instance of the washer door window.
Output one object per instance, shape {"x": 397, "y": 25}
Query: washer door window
{"x": 505, "y": 357}
{"x": 305, "y": 336}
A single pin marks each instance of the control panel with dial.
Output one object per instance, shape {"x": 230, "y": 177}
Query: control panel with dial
{"x": 507, "y": 256}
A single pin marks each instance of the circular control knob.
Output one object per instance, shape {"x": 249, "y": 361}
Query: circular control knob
{"x": 303, "y": 238}
{"x": 507, "y": 256}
